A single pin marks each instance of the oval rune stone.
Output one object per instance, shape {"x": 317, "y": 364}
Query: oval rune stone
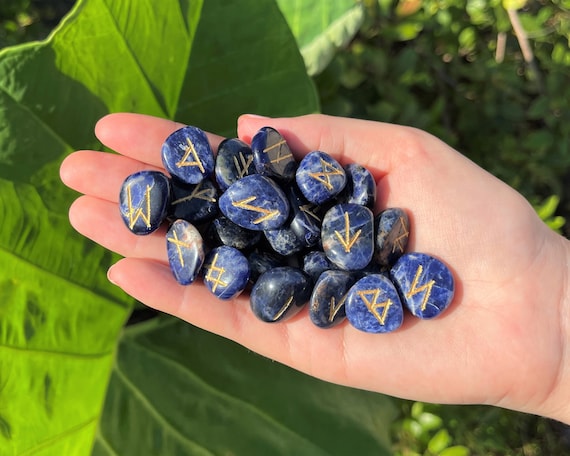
{"x": 185, "y": 249}
{"x": 222, "y": 231}
{"x": 187, "y": 155}
{"x": 233, "y": 161}
{"x": 425, "y": 284}
{"x": 320, "y": 177}
{"x": 143, "y": 201}
{"x": 272, "y": 156}
{"x": 392, "y": 228}
{"x": 284, "y": 241}
{"x": 348, "y": 236}
{"x": 373, "y": 305}
{"x": 195, "y": 203}
{"x": 226, "y": 272}
{"x": 280, "y": 293}
{"x": 361, "y": 186}
{"x": 305, "y": 217}
{"x": 256, "y": 203}
{"x": 315, "y": 263}
{"x": 326, "y": 307}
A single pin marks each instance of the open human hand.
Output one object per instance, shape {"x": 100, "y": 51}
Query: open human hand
{"x": 504, "y": 339}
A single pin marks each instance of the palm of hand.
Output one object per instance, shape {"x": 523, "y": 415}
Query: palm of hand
{"x": 495, "y": 344}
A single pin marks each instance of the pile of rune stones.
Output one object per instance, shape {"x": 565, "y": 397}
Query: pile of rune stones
{"x": 252, "y": 217}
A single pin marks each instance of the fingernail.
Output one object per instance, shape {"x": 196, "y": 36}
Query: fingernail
{"x": 109, "y": 276}
{"x": 256, "y": 116}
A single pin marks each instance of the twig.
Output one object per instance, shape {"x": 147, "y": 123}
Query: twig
{"x": 501, "y": 44}
{"x": 525, "y": 46}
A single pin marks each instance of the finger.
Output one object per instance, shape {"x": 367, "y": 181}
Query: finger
{"x": 371, "y": 144}
{"x": 99, "y": 174}
{"x": 140, "y": 136}
{"x": 100, "y": 221}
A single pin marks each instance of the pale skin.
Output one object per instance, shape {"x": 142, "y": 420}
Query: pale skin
{"x": 503, "y": 341}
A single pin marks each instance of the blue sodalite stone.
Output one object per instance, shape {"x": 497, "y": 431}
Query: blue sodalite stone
{"x": 425, "y": 284}
{"x": 373, "y": 305}
{"x": 187, "y": 155}
{"x": 185, "y": 249}
{"x": 233, "y": 161}
{"x": 256, "y": 203}
{"x": 326, "y": 307}
{"x": 360, "y": 186}
{"x": 315, "y": 263}
{"x": 260, "y": 262}
{"x": 196, "y": 203}
{"x": 280, "y": 293}
{"x": 225, "y": 272}
{"x": 222, "y": 231}
{"x": 320, "y": 177}
{"x": 348, "y": 236}
{"x": 305, "y": 218}
{"x": 143, "y": 201}
{"x": 284, "y": 241}
{"x": 272, "y": 156}
{"x": 392, "y": 228}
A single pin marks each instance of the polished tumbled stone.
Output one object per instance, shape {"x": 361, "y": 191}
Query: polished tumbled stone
{"x": 280, "y": 293}
{"x": 305, "y": 217}
{"x": 185, "y": 249}
{"x": 256, "y": 203}
{"x": 143, "y": 201}
{"x": 392, "y": 228}
{"x": 272, "y": 156}
{"x": 222, "y": 231}
{"x": 225, "y": 272}
{"x": 315, "y": 263}
{"x": 425, "y": 284}
{"x": 360, "y": 186}
{"x": 196, "y": 203}
{"x": 233, "y": 161}
{"x": 373, "y": 305}
{"x": 261, "y": 261}
{"x": 320, "y": 177}
{"x": 187, "y": 155}
{"x": 347, "y": 236}
{"x": 326, "y": 308}
{"x": 284, "y": 241}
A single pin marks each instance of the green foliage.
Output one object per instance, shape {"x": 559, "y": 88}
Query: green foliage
{"x": 546, "y": 211}
{"x": 434, "y": 64}
{"x": 63, "y": 350}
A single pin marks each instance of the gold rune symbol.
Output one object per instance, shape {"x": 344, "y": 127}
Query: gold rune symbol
{"x": 244, "y": 204}
{"x": 346, "y": 241}
{"x": 403, "y": 236}
{"x": 206, "y": 194}
{"x": 242, "y": 170}
{"x": 190, "y": 150}
{"x": 279, "y": 157}
{"x": 324, "y": 177}
{"x": 179, "y": 244}
{"x": 414, "y": 289}
{"x": 308, "y": 209}
{"x": 135, "y": 214}
{"x": 334, "y": 308}
{"x": 373, "y": 306}
{"x": 215, "y": 280}
{"x": 283, "y": 309}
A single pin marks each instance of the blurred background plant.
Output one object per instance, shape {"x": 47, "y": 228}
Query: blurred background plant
{"x": 490, "y": 78}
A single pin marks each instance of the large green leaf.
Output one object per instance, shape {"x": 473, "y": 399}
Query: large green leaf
{"x": 321, "y": 27}
{"x": 224, "y": 400}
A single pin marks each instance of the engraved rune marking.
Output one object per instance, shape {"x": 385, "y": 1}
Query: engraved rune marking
{"x": 283, "y": 309}
{"x": 334, "y": 308}
{"x": 373, "y": 305}
{"x": 324, "y": 177}
{"x": 414, "y": 289}
{"x": 398, "y": 240}
{"x": 308, "y": 209}
{"x": 206, "y": 194}
{"x": 244, "y": 204}
{"x": 215, "y": 280}
{"x": 280, "y": 156}
{"x": 190, "y": 150}
{"x": 242, "y": 165}
{"x": 135, "y": 214}
{"x": 346, "y": 241}
{"x": 179, "y": 244}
